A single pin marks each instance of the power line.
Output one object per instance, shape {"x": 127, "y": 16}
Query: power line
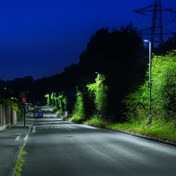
{"x": 156, "y": 31}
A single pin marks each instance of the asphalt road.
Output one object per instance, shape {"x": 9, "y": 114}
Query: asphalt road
{"x": 60, "y": 148}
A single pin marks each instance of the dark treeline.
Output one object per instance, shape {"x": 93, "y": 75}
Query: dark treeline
{"x": 118, "y": 54}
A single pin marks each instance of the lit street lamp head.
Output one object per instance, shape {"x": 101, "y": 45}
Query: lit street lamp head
{"x": 146, "y": 41}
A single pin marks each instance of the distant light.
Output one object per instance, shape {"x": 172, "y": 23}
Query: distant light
{"x": 146, "y": 40}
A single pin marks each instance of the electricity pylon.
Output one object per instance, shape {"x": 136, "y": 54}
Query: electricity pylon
{"x": 156, "y": 31}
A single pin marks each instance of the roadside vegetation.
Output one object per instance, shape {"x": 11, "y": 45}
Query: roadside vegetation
{"x": 58, "y": 101}
{"x": 20, "y": 164}
{"x": 109, "y": 85}
{"x": 158, "y": 130}
{"x": 79, "y": 108}
{"x": 136, "y": 103}
{"x": 13, "y": 103}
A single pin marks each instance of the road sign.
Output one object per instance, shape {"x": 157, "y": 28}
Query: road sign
{"x": 23, "y": 100}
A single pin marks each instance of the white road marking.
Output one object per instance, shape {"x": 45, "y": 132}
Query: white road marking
{"x": 33, "y": 129}
{"x": 26, "y": 137}
{"x": 90, "y": 127}
{"x": 17, "y": 138}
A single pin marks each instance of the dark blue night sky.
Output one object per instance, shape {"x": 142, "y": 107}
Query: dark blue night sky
{"x": 40, "y": 37}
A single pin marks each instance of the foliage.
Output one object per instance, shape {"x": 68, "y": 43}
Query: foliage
{"x": 159, "y": 129}
{"x": 115, "y": 53}
{"x": 52, "y": 98}
{"x": 164, "y": 85}
{"x": 96, "y": 121}
{"x": 13, "y": 103}
{"x": 10, "y": 102}
{"x": 99, "y": 92}
{"x": 58, "y": 102}
{"x": 20, "y": 163}
{"x": 120, "y": 61}
{"x": 76, "y": 118}
{"x": 65, "y": 102}
{"x": 163, "y": 91}
{"x": 62, "y": 103}
{"x": 168, "y": 45}
{"x": 47, "y": 96}
{"x": 79, "y": 109}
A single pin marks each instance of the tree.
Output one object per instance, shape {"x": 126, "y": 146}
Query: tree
{"x": 99, "y": 92}
{"x": 78, "y": 114}
{"x": 163, "y": 91}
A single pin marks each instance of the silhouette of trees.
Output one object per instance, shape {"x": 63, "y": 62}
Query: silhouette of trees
{"x": 117, "y": 54}
{"x": 168, "y": 45}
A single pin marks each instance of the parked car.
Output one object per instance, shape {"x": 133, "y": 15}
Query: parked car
{"x": 38, "y": 113}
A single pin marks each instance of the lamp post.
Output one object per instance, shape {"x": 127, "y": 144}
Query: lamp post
{"x": 97, "y": 80}
{"x": 76, "y": 89}
{"x": 150, "y": 82}
{"x": 98, "y": 75}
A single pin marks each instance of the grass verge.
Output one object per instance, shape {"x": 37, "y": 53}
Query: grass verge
{"x": 159, "y": 130}
{"x": 20, "y": 164}
{"x": 76, "y": 118}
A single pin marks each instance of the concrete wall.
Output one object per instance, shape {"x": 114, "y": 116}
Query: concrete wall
{"x": 7, "y": 116}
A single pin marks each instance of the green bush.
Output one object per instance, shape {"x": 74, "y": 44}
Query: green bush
{"x": 98, "y": 90}
{"x": 78, "y": 111}
{"x": 163, "y": 91}
{"x": 96, "y": 121}
{"x": 164, "y": 85}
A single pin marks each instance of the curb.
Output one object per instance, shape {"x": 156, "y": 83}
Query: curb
{"x": 141, "y": 136}
{"x": 146, "y": 137}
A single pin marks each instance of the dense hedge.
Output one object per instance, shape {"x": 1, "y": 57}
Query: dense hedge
{"x": 163, "y": 91}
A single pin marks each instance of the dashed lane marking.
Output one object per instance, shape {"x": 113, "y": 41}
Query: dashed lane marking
{"x": 33, "y": 129}
{"x": 17, "y": 138}
{"x": 26, "y": 137}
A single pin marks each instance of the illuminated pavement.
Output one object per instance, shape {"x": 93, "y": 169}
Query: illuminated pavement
{"x": 11, "y": 141}
{"x": 60, "y": 148}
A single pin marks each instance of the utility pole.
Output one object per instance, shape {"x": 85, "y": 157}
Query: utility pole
{"x": 156, "y": 31}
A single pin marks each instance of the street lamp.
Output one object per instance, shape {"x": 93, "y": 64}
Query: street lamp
{"x": 98, "y": 75}
{"x": 76, "y": 88}
{"x": 150, "y": 82}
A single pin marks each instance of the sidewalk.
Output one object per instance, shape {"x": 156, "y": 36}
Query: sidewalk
{"x": 11, "y": 141}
